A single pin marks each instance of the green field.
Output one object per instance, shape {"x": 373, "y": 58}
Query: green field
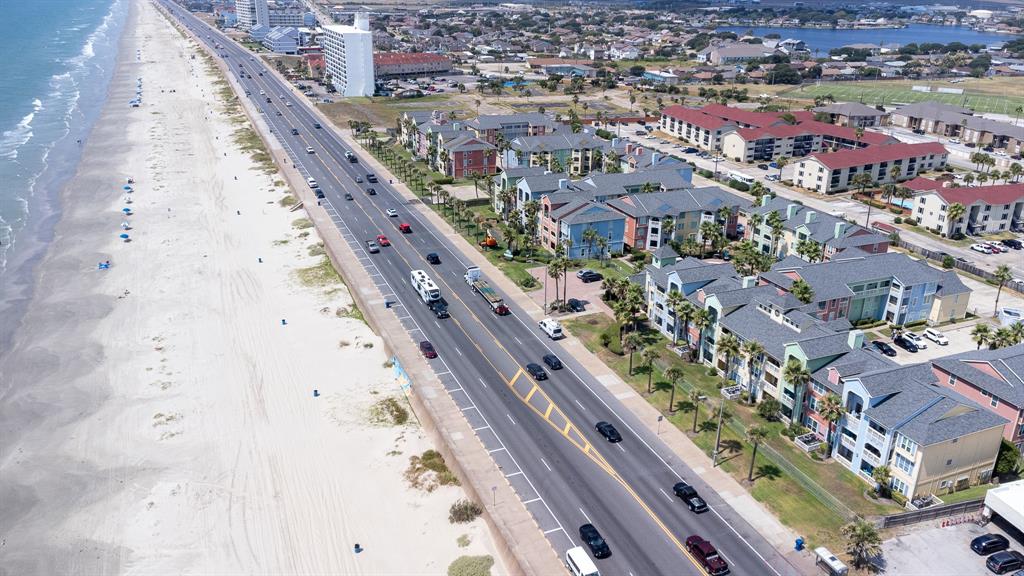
{"x": 889, "y": 93}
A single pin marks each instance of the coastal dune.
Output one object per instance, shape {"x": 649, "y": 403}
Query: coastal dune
{"x": 159, "y": 416}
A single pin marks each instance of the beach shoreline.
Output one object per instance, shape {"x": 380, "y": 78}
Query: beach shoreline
{"x": 161, "y": 415}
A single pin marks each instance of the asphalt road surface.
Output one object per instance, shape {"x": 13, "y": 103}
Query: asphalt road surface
{"x": 541, "y": 434}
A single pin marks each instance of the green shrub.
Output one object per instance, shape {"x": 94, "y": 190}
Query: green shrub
{"x": 463, "y": 511}
{"x": 428, "y": 471}
{"x": 737, "y": 185}
{"x": 948, "y": 262}
{"x": 898, "y": 220}
{"x": 442, "y": 180}
{"x": 899, "y": 498}
{"x": 528, "y": 282}
{"x": 389, "y": 411}
{"x": 896, "y": 210}
{"x": 1008, "y": 460}
{"x": 471, "y": 566}
{"x": 769, "y": 409}
{"x": 606, "y": 339}
{"x": 706, "y": 173}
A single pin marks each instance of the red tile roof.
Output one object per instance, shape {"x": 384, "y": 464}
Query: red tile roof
{"x": 868, "y": 137}
{"x": 741, "y": 116}
{"x": 999, "y": 194}
{"x": 695, "y": 117}
{"x": 394, "y": 58}
{"x": 876, "y": 154}
{"x": 778, "y": 131}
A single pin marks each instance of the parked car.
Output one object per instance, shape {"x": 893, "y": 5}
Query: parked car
{"x": 983, "y": 248}
{"x": 584, "y": 272}
{"x": 997, "y": 248}
{"x": 372, "y": 247}
{"x": 575, "y": 305}
{"x": 428, "y": 349}
{"x": 536, "y": 372}
{"x": 707, "y": 556}
{"x": 1011, "y": 243}
{"x": 552, "y": 361}
{"x": 591, "y": 276}
{"x": 598, "y": 547}
{"x": 936, "y": 336}
{"x": 917, "y": 339}
{"x": 883, "y": 347}
{"x": 690, "y": 150}
{"x": 688, "y": 494}
{"x": 433, "y": 258}
{"x": 383, "y": 240}
{"x": 762, "y": 166}
{"x": 609, "y": 432}
{"x": 905, "y": 343}
{"x": 989, "y": 544}
{"x": 1003, "y": 562}
{"x": 320, "y": 194}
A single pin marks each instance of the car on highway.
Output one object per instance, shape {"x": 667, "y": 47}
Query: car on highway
{"x": 707, "y": 556}
{"x": 883, "y": 347}
{"x": 1003, "y": 562}
{"x": 439, "y": 308}
{"x": 317, "y": 125}
{"x": 936, "y": 336}
{"x": 906, "y": 343}
{"x": 391, "y": 212}
{"x": 575, "y": 305}
{"x": 309, "y": 150}
{"x": 277, "y": 112}
{"x": 295, "y": 131}
{"x": 688, "y": 494}
{"x": 536, "y": 372}
{"x": 371, "y": 177}
{"x": 983, "y": 248}
{"x": 592, "y": 538}
{"x": 608, "y": 431}
{"x": 989, "y": 544}
{"x": 433, "y": 258}
{"x": 359, "y": 179}
{"x": 348, "y": 196}
{"x": 262, "y": 93}
{"x": 288, "y": 104}
{"x": 372, "y": 247}
{"x": 268, "y": 99}
{"x": 405, "y": 228}
{"x": 383, "y": 240}
{"x": 427, "y": 349}
{"x": 371, "y": 192}
{"x": 917, "y": 339}
{"x": 552, "y": 361}
{"x": 591, "y": 276}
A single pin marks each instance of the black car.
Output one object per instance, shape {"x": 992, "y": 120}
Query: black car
{"x": 1003, "y": 562}
{"x": 552, "y": 361}
{"x": 440, "y": 309}
{"x": 588, "y": 277}
{"x": 905, "y": 343}
{"x": 295, "y": 131}
{"x": 433, "y": 258}
{"x": 609, "y": 432}
{"x": 1011, "y": 243}
{"x": 688, "y": 494}
{"x": 348, "y": 196}
{"x": 883, "y": 347}
{"x": 763, "y": 166}
{"x": 371, "y": 191}
{"x": 594, "y": 541}
{"x": 989, "y": 543}
{"x": 690, "y": 150}
{"x": 536, "y": 371}
{"x": 575, "y": 305}
{"x": 320, "y": 194}
{"x": 317, "y": 125}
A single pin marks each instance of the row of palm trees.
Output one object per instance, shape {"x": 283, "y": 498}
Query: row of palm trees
{"x": 1003, "y": 337}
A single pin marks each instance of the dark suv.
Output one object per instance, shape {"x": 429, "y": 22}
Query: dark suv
{"x": 905, "y": 343}
{"x": 552, "y": 361}
{"x": 706, "y": 556}
{"x": 989, "y": 543}
{"x": 688, "y": 494}
{"x": 536, "y": 371}
{"x": 1003, "y": 562}
{"x": 591, "y": 276}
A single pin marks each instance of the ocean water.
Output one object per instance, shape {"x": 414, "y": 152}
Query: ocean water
{"x": 56, "y": 61}
{"x": 824, "y": 40}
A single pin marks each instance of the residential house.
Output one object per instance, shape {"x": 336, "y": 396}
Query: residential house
{"x": 954, "y": 121}
{"x": 989, "y": 209}
{"x": 734, "y": 53}
{"x": 852, "y": 114}
{"x": 572, "y": 221}
{"x": 994, "y": 379}
{"x": 834, "y": 171}
{"x": 836, "y": 237}
{"x": 933, "y": 439}
{"x": 685, "y": 210}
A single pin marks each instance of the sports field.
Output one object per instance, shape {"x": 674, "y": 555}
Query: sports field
{"x": 1000, "y": 98}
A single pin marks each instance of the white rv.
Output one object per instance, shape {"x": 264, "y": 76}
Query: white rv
{"x": 424, "y": 286}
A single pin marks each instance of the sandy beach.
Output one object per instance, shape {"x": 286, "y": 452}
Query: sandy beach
{"x": 159, "y": 417}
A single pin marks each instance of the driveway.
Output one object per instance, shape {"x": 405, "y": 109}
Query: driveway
{"x": 930, "y": 549}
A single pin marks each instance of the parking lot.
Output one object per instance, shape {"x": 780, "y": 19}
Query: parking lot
{"x": 936, "y": 551}
{"x": 589, "y": 293}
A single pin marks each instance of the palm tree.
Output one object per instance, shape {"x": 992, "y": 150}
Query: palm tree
{"x": 668, "y": 225}
{"x": 631, "y": 343}
{"x": 674, "y": 375}
{"x": 729, "y": 347}
{"x": 981, "y": 334}
{"x": 602, "y": 245}
{"x": 797, "y": 375}
{"x": 701, "y": 321}
{"x": 555, "y": 273}
{"x": 862, "y": 541}
{"x": 862, "y": 180}
{"x": 647, "y": 359}
{"x": 775, "y": 222}
{"x": 752, "y": 351}
{"x": 1002, "y": 275}
{"x": 1017, "y": 331}
{"x": 955, "y": 211}
{"x": 755, "y": 435}
{"x": 695, "y": 399}
{"x": 802, "y": 291}
{"x": 882, "y": 475}
{"x": 781, "y": 162}
{"x": 830, "y": 408}
{"x": 708, "y": 230}
{"x": 1015, "y": 171}
{"x": 673, "y": 301}
{"x": 590, "y": 235}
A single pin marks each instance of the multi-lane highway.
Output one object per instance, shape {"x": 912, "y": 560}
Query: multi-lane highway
{"x": 541, "y": 434}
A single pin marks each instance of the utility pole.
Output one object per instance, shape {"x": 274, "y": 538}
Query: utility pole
{"x": 718, "y": 434}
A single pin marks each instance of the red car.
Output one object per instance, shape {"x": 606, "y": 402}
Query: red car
{"x": 706, "y": 556}
{"x": 383, "y": 240}
{"x": 502, "y": 310}
{"x": 405, "y": 228}
{"x": 428, "y": 349}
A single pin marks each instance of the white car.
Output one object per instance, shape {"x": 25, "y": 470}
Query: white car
{"x": 936, "y": 336}
{"x": 582, "y": 272}
{"x": 391, "y": 212}
{"x": 916, "y": 339}
{"x": 263, "y": 93}
{"x": 954, "y": 140}
{"x": 309, "y": 150}
{"x": 983, "y": 248}
{"x": 288, "y": 104}
{"x": 997, "y": 248}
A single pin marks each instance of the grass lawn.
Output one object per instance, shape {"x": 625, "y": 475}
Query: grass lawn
{"x": 999, "y": 98}
{"x": 382, "y": 111}
{"x": 972, "y": 493}
{"x": 779, "y": 491}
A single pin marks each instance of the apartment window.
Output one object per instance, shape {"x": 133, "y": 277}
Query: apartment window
{"x": 900, "y": 486}
{"x": 952, "y": 381}
{"x": 949, "y": 462}
{"x": 907, "y": 445}
{"x": 905, "y": 464}
{"x": 994, "y": 402}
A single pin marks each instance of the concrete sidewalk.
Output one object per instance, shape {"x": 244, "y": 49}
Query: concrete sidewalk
{"x": 778, "y": 535}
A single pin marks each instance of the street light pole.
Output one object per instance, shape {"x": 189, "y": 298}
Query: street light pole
{"x": 718, "y": 434}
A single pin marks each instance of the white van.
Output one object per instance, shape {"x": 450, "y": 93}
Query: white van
{"x": 551, "y": 327}
{"x": 579, "y": 563}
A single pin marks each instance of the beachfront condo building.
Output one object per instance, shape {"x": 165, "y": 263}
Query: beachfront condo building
{"x": 349, "y": 54}
{"x": 251, "y": 13}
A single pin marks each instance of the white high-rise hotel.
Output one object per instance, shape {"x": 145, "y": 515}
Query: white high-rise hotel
{"x": 348, "y": 51}
{"x": 251, "y": 13}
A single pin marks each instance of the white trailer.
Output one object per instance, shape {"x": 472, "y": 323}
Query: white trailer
{"x": 424, "y": 286}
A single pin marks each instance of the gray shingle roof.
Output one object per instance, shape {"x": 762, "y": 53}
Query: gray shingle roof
{"x": 832, "y": 279}
{"x": 676, "y": 202}
{"x": 496, "y": 121}
{"x": 559, "y": 140}
{"x": 822, "y": 227}
{"x": 849, "y": 109}
{"x": 1008, "y": 363}
{"x": 592, "y": 212}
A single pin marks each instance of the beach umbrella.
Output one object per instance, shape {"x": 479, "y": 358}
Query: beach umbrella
{"x": 128, "y": 188}
{"x": 125, "y": 237}
{"x": 125, "y": 225}
{"x": 126, "y": 210}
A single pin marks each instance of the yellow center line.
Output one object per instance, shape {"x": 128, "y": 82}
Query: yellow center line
{"x": 531, "y": 393}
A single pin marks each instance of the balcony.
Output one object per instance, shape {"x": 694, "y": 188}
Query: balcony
{"x": 848, "y": 441}
{"x": 876, "y": 437}
{"x": 770, "y": 388}
{"x": 771, "y": 369}
{"x": 870, "y": 457}
{"x": 853, "y": 419}
{"x": 786, "y": 399}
